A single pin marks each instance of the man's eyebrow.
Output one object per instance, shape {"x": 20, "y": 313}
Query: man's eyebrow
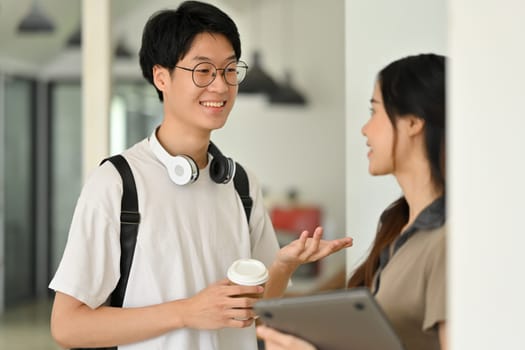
{"x": 207, "y": 59}
{"x": 200, "y": 58}
{"x": 372, "y": 101}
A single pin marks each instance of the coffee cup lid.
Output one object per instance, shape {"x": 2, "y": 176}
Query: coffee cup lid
{"x": 248, "y": 272}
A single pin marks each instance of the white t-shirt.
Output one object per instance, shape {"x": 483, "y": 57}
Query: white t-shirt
{"x": 188, "y": 236}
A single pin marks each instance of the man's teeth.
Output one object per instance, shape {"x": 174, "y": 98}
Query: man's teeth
{"x": 213, "y": 104}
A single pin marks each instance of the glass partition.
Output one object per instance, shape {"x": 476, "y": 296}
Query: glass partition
{"x": 18, "y": 187}
{"x": 135, "y": 111}
{"x": 66, "y": 162}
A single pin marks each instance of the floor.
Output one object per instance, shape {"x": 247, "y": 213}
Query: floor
{"x": 26, "y": 327}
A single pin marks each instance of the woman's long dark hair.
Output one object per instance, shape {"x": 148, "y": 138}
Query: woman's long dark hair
{"x": 414, "y": 85}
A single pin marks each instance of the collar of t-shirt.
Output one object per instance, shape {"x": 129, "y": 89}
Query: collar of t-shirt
{"x": 433, "y": 216}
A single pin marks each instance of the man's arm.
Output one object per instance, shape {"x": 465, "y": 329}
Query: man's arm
{"x": 74, "y": 324}
{"x": 298, "y": 252}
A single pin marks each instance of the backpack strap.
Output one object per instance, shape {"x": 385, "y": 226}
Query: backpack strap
{"x": 242, "y": 186}
{"x": 129, "y": 226}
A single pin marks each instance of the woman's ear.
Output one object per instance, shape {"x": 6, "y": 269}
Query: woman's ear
{"x": 415, "y": 125}
{"x": 161, "y": 77}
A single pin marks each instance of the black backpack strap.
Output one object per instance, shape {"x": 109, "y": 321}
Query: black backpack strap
{"x": 129, "y": 226}
{"x": 242, "y": 186}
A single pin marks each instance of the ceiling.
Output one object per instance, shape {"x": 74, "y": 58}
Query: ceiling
{"x": 39, "y": 49}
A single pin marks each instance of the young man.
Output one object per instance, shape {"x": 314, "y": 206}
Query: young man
{"x": 192, "y": 221}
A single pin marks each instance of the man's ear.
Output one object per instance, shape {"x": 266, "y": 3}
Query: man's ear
{"x": 415, "y": 125}
{"x": 161, "y": 77}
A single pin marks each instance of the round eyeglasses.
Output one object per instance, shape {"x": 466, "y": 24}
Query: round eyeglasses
{"x": 204, "y": 73}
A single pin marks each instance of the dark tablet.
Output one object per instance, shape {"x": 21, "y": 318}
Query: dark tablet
{"x": 342, "y": 320}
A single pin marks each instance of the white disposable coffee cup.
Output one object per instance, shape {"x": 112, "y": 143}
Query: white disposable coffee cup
{"x": 248, "y": 272}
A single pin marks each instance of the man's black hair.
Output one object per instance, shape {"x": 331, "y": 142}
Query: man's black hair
{"x": 169, "y": 34}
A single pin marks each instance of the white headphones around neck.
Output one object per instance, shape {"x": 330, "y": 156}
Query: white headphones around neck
{"x": 182, "y": 169}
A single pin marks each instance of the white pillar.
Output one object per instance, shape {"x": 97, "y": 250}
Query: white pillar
{"x": 486, "y": 202}
{"x": 96, "y": 81}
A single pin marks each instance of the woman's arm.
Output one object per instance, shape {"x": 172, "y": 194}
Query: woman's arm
{"x": 443, "y": 335}
{"x": 303, "y": 250}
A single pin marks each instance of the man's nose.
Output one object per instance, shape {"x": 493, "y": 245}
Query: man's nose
{"x": 219, "y": 83}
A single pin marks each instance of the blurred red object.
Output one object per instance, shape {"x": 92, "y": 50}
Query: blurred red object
{"x": 295, "y": 220}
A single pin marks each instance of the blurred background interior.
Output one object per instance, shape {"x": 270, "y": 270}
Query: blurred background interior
{"x": 297, "y": 126}
{"x": 274, "y": 130}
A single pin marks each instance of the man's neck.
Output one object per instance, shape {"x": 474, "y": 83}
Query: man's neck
{"x": 177, "y": 139}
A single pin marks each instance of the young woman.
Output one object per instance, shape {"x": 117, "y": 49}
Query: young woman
{"x": 406, "y": 267}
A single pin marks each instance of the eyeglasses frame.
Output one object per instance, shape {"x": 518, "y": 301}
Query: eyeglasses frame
{"x": 192, "y": 70}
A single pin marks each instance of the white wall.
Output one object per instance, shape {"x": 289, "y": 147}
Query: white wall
{"x": 301, "y": 147}
{"x": 377, "y": 32}
{"x": 486, "y": 167}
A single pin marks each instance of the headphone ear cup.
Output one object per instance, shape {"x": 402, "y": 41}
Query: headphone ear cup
{"x": 222, "y": 169}
{"x": 183, "y": 170}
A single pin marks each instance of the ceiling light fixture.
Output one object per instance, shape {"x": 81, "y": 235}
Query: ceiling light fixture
{"x": 75, "y": 39}
{"x": 36, "y": 21}
{"x": 285, "y": 93}
{"x": 75, "y": 42}
{"x": 257, "y": 80}
{"x": 122, "y": 51}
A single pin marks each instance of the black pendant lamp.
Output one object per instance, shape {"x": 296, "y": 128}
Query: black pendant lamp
{"x": 75, "y": 39}
{"x": 75, "y": 42}
{"x": 36, "y": 21}
{"x": 122, "y": 51}
{"x": 286, "y": 94}
{"x": 257, "y": 80}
